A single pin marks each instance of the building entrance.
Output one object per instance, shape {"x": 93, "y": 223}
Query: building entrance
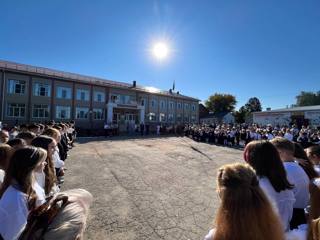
{"x": 126, "y": 119}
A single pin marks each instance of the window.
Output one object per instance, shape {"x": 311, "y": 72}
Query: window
{"x": 40, "y": 111}
{"x": 17, "y": 87}
{"x": 186, "y": 118}
{"x": 162, "y": 104}
{"x": 62, "y": 112}
{"x": 142, "y": 102}
{"x": 83, "y": 95}
{"x": 186, "y": 106}
{"x": 193, "y": 107}
{"x": 114, "y": 98}
{"x": 193, "y": 118}
{"x": 179, "y": 105}
{"x": 98, "y": 114}
{"x": 153, "y": 103}
{"x": 82, "y": 113}
{"x": 162, "y": 117}
{"x": 41, "y": 89}
{"x": 16, "y": 110}
{"x": 170, "y": 117}
{"x": 99, "y": 97}
{"x": 171, "y": 105}
{"x": 152, "y": 117}
{"x": 179, "y": 117}
{"x": 64, "y": 92}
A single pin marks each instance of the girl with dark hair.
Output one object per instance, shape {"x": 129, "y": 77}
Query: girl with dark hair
{"x": 245, "y": 212}
{"x": 47, "y": 178}
{"x": 265, "y": 160}
{"x": 18, "y": 195}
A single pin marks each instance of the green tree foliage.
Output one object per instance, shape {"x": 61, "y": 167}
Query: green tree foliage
{"x": 308, "y": 98}
{"x": 220, "y": 102}
{"x": 253, "y": 105}
{"x": 240, "y": 116}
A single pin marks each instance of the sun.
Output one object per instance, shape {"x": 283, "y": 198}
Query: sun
{"x": 160, "y": 50}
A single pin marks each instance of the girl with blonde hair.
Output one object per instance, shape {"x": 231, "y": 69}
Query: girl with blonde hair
{"x": 245, "y": 212}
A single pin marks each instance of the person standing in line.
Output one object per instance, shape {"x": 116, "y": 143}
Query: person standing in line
{"x": 242, "y": 201}
{"x": 297, "y": 177}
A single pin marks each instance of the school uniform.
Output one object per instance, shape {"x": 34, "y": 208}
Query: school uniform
{"x": 297, "y": 176}
{"x": 13, "y": 213}
{"x": 282, "y": 201}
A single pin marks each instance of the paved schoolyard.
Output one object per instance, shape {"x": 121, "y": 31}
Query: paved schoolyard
{"x": 152, "y": 188}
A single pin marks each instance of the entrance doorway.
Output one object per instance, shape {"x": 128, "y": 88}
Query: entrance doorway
{"x": 126, "y": 119}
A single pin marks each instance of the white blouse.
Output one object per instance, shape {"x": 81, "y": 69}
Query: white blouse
{"x": 13, "y": 213}
{"x": 283, "y": 201}
{"x": 297, "y": 176}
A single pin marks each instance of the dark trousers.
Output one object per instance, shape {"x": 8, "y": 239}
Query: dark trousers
{"x": 298, "y": 218}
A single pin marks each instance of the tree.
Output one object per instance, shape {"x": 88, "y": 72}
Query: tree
{"x": 308, "y": 98}
{"x": 220, "y": 102}
{"x": 253, "y": 105}
{"x": 240, "y": 116}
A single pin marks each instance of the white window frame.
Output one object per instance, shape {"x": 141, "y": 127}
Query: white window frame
{"x": 12, "y": 86}
{"x": 85, "y": 97}
{"x": 19, "y": 107}
{"x": 37, "y": 89}
{"x": 44, "y": 108}
{"x": 96, "y": 95}
{"x": 98, "y": 116}
{"x": 179, "y": 105}
{"x": 82, "y": 113}
{"x": 162, "y": 117}
{"x": 67, "y": 110}
{"x": 152, "y": 117}
{"x": 60, "y": 90}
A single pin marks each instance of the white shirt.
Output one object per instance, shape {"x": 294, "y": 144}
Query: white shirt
{"x": 288, "y": 136}
{"x": 41, "y": 196}
{"x": 210, "y": 235}
{"x": 2, "y": 173}
{"x": 13, "y": 213}
{"x": 283, "y": 201}
{"x": 58, "y": 163}
{"x": 298, "y": 177}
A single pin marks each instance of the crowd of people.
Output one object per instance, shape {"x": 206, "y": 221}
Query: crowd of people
{"x": 242, "y": 134}
{"x": 275, "y": 194}
{"x": 32, "y": 165}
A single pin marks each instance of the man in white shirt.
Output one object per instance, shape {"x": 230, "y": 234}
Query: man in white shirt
{"x": 296, "y": 176}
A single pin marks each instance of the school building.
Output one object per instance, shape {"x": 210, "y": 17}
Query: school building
{"x": 37, "y": 94}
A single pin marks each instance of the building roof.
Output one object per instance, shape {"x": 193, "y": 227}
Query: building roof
{"x": 47, "y": 72}
{"x": 294, "y": 109}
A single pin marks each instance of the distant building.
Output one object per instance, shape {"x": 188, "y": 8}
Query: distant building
{"x": 218, "y": 118}
{"x": 36, "y": 94}
{"x": 308, "y": 115}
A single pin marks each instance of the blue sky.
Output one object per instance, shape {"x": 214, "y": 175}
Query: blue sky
{"x": 267, "y": 49}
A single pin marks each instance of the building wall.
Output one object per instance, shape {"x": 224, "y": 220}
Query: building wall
{"x": 32, "y": 101}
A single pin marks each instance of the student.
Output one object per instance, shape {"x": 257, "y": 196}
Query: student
{"x": 58, "y": 163}
{"x": 5, "y": 154}
{"x": 313, "y": 154}
{"x": 27, "y": 136}
{"x": 296, "y": 176}
{"x": 47, "y": 179}
{"x": 17, "y": 195}
{"x": 4, "y": 136}
{"x": 17, "y": 143}
{"x": 242, "y": 202}
{"x": 265, "y": 160}
{"x": 304, "y": 162}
